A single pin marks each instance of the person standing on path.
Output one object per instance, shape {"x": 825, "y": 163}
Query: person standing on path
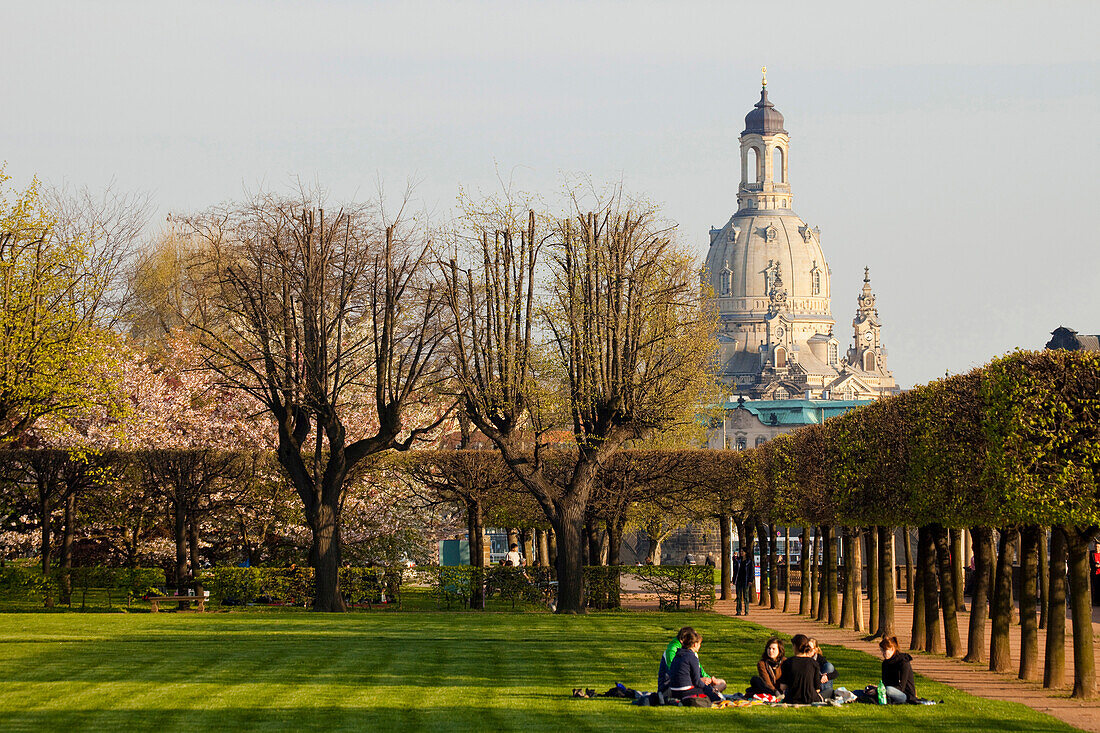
{"x": 743, "y": 573}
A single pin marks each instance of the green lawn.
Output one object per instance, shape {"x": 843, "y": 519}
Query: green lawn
{"x": 405, "y": 671}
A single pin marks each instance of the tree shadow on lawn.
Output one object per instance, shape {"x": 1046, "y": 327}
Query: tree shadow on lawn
{"x": 416, "y": 713}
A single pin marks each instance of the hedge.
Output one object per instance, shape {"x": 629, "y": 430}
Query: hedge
{"x": 293, "y": 586}
{"x": 22, "y": 581}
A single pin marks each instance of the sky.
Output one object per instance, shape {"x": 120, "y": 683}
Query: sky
{"x": 949, "y": 146}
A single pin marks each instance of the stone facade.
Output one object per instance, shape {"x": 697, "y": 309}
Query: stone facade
{"x": 771, "y": 282}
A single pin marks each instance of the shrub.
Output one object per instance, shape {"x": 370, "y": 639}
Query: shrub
{"x": 677, "y": 584}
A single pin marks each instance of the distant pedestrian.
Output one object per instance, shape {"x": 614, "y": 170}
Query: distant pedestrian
{"x": 743, "y": 573}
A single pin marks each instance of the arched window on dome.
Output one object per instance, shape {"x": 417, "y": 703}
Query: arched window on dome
{"x": 833, "y": 354}
{"x": 778, "y": 174}
{"x": 724, "y": 282}
{"x": 817, "y": 282}
{"x": 780, "y": 358}
{"x": 868, "y": 361}
{"x": 752, "y": 169}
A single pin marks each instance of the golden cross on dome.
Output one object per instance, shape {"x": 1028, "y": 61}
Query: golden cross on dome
{"x": 763, "y": 76}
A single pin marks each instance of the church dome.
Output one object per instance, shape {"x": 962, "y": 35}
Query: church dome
{"x": 764, "y": 119}
{"x": 754, "y": 247}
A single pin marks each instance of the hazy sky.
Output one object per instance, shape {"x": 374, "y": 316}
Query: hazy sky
{"x": 949, "y": 146}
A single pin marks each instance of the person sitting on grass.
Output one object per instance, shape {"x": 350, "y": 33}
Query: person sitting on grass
{"x": 685, "y": 675}
{"x": 828, "y": 671}
{"x": 897, "y": 672}
{"x": 666, "y": 665}
{"x": 799, "y": 676}
{"x": 766, "y": 679}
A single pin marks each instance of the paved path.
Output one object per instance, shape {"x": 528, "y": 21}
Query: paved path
{"x": 972, "y": 678}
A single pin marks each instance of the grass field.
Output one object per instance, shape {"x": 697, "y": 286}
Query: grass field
{"x": 409, "y": 671}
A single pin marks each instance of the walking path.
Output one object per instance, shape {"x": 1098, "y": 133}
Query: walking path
{"x": 969, "y": 677}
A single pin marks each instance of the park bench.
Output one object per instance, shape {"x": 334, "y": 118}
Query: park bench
{"x": 199, "y": 601}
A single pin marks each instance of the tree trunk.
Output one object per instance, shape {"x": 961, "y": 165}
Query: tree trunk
{"x": 67, "y": 549}
{"x": 958, "y": 569}
{"x": 749, "y": 544}
{"x": 919, "y": 634}
{"x": 653, "y": 556}
{"x": 857, "y": 580}
{"x": 1054, "y": 664}
{"x": 773, "y": 568}
{"x": 615, "y": 527}
{"x": 979, "y": 600}
{"x": 765, "y": 562}
{"x": 1000, "y": 659}
{"x": 829, "y": 606}
{"x": 725, "y": 533}
{"x": 552, "y": 547}
{"x": 1044, "y": 576}
{"x": 592, "y": 534}
{"x": 46, "y": 547}
{"x": 1029, "y": 580}
{"x": 947, "y": 591}
{"x": 324, "y": 558}
{"x": 847, "y": 604}
{"x": 873, "y": 584}
{"x": 1084, "y": 661}
{"x": 804, "y": 592}
{"x": 910, "y": 574}
{"x": 179, "y": 533}
{"x": 815, "y": 573}
{"x": 823, "y": 576}
{"x": 569, "y": 527}
{"x": 787, "y": 571}
{"x": 887, "y": 585}
{"x": 544, "y": 548}
{"x": 933, "y": 643}
{"x": 193, "y": 548}
{"x": 475, "y": 533}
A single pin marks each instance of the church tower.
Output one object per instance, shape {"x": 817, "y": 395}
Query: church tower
{"x": 771, "y": 281}
{"x": 867, "y": 357}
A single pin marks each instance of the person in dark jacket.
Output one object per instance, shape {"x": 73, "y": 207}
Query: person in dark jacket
{"x": 685, "y": 677}
{"x": 897, "y": 673}
{"x": 828, "y": 671}
{"x": 674, "y": 646}
{"x": 766, "y": 679}
{"x": 799, "y": 676}
{"x": 743, "y": 573}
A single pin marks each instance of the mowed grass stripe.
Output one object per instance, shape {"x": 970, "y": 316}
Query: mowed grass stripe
{"x": 408, "y": 671}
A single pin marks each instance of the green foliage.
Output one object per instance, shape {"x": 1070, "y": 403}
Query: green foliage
{"x": 53, "y": 354}
{"x": 1015, "y": 442}
{"x": 293, "y": 586}
{"x": 27, "y": 581}
{"x": 678, "y": 585}
{"x": 602, "y": 586}
{"x": 1042, "y": 423}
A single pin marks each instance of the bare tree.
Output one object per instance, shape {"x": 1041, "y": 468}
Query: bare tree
{"x": 328, "y": 320}
{"x": 613, "y": 349}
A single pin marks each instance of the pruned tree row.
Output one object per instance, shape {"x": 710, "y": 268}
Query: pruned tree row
{"x": 1008, "y": 452}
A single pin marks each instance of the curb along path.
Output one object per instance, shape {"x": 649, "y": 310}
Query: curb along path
{"x": 971, "y": 678}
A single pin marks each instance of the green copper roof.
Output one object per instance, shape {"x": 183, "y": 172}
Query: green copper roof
{"x": 796, "y": 412}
